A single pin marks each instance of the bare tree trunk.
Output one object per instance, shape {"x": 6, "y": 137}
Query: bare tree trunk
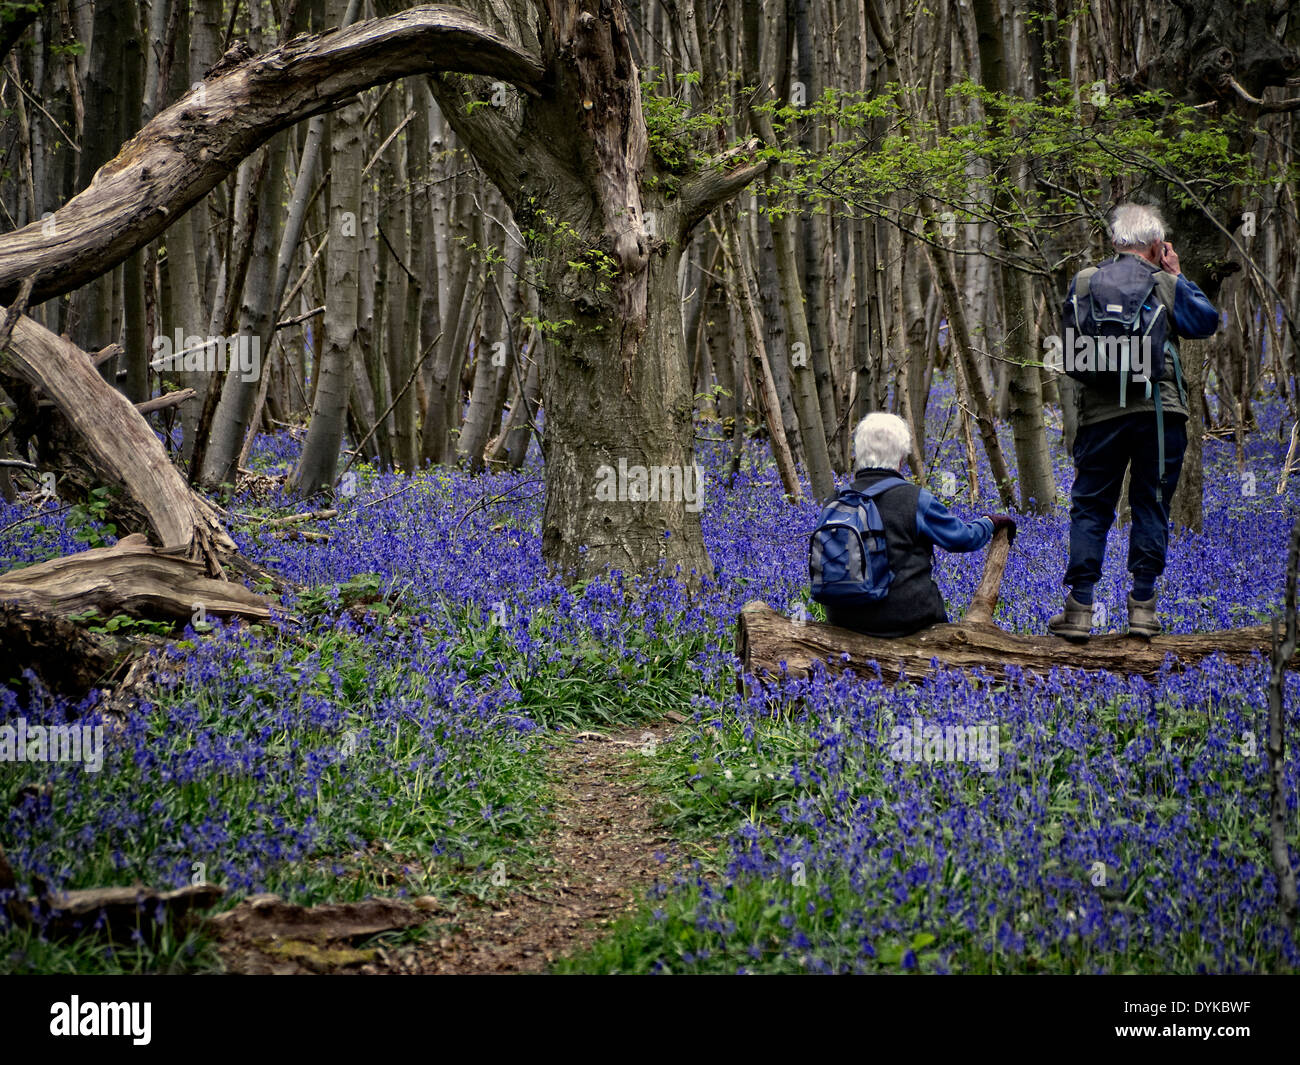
{"x": 1186, "y": 508}
{"x": 135, "y": 340}
{"x": 814, "y": 231}
{"x": 512, "y": 445}
{"x": 258, "y": 314}
{"x": 743, "y": 284}
{"x": 811, "y": 429}
{"x": 422, "y": 290}
{"x": 1025, "y": 409}
{"x": 91, "y": 311}
{"x": 320, "y": 452}
{"x": 776, "y": 335}
{"x": 478, "y": 419}
{"x": 495, "y": 359}
{"x": 463, "y": 290}
{"x": 401, "y": 339}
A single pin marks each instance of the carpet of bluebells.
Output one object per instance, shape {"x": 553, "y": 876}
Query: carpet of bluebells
{"x": 390, "y": 739}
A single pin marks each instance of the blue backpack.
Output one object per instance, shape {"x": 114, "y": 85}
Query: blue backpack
{"x": 848, "y": 558}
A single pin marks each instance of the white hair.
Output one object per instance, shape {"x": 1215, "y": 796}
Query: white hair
{"x": 881, "y": 440}
{"x": 1134, "y": 225}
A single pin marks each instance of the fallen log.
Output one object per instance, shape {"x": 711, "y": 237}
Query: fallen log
{"x": 112, "y": 438}
{"x": 116, "y": 912}
{"x": 129, "y": 578}
{"x": 266, "y": 935}
{"x": 269, "y": 917}
{"x": 769, "y": 643}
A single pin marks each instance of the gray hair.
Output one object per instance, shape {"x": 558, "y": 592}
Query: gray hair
{"x": 1134, "y": 225}
{"x": 881, "y": 440}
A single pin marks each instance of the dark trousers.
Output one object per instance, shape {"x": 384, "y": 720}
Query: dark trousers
{"x": 1102, "y": 452}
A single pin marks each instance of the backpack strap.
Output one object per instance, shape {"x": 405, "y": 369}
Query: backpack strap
{"x": 1083, "y": 282}
{"x": 1160, "y": 437}
{"x": 871, "y": 494}
{"x": 1178, "y": 373}
{"x": 879, "y": 488}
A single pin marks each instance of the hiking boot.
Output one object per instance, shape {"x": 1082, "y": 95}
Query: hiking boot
{"x": 1142, "y": 620}
{"x": 1074, "y": 623}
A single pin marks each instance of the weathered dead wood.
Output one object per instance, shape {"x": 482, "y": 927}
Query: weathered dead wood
{"x": 119, "y": 445}
{"x": 130, "y": 578}
{"x": 294, "y": 519}
{"x": 985, "y": 600}
{"x": 113, "y": 911}
{"x": 264, "y": 934}
{"x": 188, "y": 148}
{"x": 264, "y": 917}
{"x": 109, "y": 351}
{"x": 768, "y": 642}
{"x": 118, "y": 912}
{"x": 171, "y": 399}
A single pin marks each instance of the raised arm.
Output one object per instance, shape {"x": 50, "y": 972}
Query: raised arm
{"x": 947, "y": 530}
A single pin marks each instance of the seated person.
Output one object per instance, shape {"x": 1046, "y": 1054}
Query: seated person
{"x": 914, "y": 523}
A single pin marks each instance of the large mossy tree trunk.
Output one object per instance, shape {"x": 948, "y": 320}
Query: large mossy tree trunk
{"x": 576, "y": 166}
{"x": 616, "y": 395}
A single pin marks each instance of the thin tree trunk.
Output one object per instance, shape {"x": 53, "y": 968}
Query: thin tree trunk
{"x": 320, "y": 452}
{"x": 959, "y": 336}
{"x": 1025, "y": 407}
{"x": 743, "y": 284}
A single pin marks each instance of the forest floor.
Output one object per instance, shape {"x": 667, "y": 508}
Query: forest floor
{"x": 407, "y": 769}
{"x": 606, "y": 848}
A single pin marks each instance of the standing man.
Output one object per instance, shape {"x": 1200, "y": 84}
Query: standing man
{"x": 1130, "y": 428}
